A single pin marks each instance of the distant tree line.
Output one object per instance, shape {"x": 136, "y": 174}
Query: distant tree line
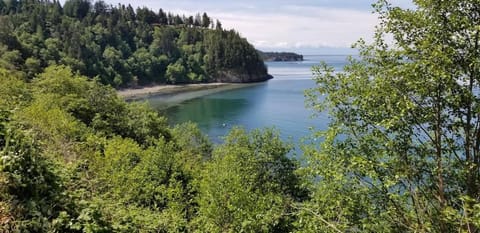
{"x": 280, "y": 56}
{"x": 121, "y": 45}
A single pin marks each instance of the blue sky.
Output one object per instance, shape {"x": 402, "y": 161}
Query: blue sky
{"x": 306, "y": 26}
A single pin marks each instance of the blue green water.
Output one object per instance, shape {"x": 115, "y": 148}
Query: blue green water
{"x": 278, "y": 103}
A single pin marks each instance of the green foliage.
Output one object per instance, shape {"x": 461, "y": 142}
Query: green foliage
{"x": 122, "y": 46}
{"x": 13, "y": 90}
{"x": 30, "y": 190}
{"x": 32, "y": 66}
{"x": 96, "y": 106}
{"x": 401, "y": 152}
{"x": 153, "y": 180}
{"x": 33, "y": 192}
{"x": 10, "y": 59}
{"x": 48, "y": 186}
{"x": 248, "y": 186}
{"x": 14, "y": 93}
{"x": 188, "y": 137}
{"x": 225, "y": 51}
{"x": 57, "y": 129}
{"x": 176, "y": 73}
{"x": 144, "y": 125}
{"x": 77, "y": 8}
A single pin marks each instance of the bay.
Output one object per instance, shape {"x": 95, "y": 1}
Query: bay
{"x": 278, "y": 103}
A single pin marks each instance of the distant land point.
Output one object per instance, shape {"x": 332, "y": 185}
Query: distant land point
{"x": 280, "y": 56}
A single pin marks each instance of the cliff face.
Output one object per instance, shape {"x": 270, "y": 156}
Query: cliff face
{"x": 235, "y": 77}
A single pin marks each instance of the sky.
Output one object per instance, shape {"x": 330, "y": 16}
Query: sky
{"x": 304, "y": 26}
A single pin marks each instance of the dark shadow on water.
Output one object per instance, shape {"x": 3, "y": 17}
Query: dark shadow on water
{"x": 217, "y": 113}
{"x": 206, "y": 112}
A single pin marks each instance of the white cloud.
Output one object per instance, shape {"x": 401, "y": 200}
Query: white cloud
{"x": 301, "y": 27}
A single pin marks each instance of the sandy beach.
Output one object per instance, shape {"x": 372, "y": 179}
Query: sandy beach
{"x": 172, "y": 90}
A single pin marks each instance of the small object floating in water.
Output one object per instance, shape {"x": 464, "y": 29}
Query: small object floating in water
{"x": 224, "y": 125}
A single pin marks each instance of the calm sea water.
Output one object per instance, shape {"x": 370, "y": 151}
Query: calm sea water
{"x": 278, "y": 103}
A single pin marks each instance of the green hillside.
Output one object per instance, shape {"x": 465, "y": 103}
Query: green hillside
{"x": 124, "y": 47}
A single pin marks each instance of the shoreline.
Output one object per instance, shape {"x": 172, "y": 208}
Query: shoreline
{"x": 174, "y": 90}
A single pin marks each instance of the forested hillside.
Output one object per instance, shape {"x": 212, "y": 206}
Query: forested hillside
{"x": 123, "y": 46}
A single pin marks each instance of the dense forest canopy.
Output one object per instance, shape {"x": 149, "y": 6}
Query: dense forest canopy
{"x": 121, "y": 45}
